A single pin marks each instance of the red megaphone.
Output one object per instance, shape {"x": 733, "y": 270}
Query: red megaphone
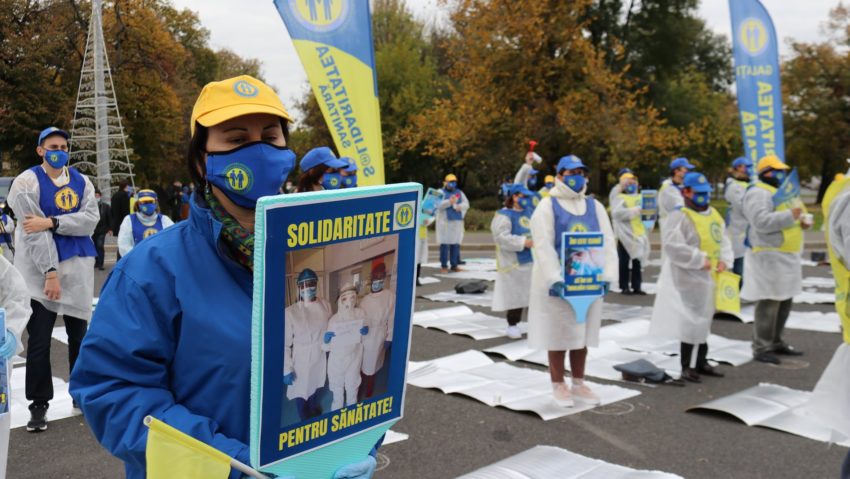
{"x": 531, "y": 145}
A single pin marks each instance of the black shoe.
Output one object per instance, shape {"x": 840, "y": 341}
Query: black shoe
{"x": 709, "y": 370}
{"x": 690, "y": 374}
{"x": 639, "y": 292}
{"x": 767, "y": 358}
{"x": 38, "y": 418}
{"x": 626, "y": 292}
{"x": 461, "y": 262}
{"x": 101, "y": 268}
{"x": 787, "y": 350}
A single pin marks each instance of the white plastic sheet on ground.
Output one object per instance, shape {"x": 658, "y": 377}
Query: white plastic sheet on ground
{"x": 472, "y": 264}
{"x": 484, "y": 300}
{"x": 806, "y": 320}
{"x": 464, "y": 321}
{"x": 625, "y": 312}
{"x": 61, "y": 406}
{"x": 393, "y": 437}
{"x": 425, "y": 280}
{"x": 546, "y": 462}
{"x": 815, "y": 297}
{"x": 773, "y": 406}
{"x": 473, "y": 374}
{"x": 485, "y": 275}
{"x": 819, "y": 282}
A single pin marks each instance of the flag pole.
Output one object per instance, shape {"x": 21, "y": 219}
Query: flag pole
{"x": 239, "y": 466}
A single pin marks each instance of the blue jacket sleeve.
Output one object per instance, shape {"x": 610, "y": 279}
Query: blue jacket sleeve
{"x": 122, "y": 374}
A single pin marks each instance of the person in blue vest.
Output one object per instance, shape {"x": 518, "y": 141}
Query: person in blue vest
{"x": 7, "y": 231}
{"x": 172, "y": 331}
{"x": 349, "y": 173}
{"x": 145, "y": 222}
{"x": 512, "y": 236}
{"x": 552, "y": 324}
{"x": 320, "y": 170}
{"x": 450, "y": 213}
{"x": 670, "y": 194}
{"x": 55, "y": 254}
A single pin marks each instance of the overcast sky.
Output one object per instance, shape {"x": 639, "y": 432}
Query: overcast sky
{"x": 254, "y": 29}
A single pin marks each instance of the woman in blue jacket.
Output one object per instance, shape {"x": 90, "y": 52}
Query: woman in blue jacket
{"x": 171, "y": 336}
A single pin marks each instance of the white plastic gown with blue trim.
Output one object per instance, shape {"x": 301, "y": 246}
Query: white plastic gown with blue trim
{"x": 170, "y": 338}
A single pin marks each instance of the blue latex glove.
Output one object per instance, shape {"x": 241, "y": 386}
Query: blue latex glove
{"x": 359, "y": 470}
{"x": 364, "y": 330}
{"x": 9, "y": 345}
{"x": 328, "y": 336}
{"x": 288, "y": 379}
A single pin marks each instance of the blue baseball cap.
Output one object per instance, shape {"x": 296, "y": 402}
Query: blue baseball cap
{"x": 352, "y": 165}
{"x": 742, "y": 160}
{"x": 681, "y": 162}
{"x": 50, "y": 132}
{"x": 517, "y": 188}
{"x": 321, "y": 156}
{"x": 533, "y": 172}
{"x": 570, "y": 162}
{"x": 697, "y": 182}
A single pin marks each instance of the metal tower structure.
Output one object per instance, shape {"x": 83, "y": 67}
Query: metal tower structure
{"x": 98, "y": 144}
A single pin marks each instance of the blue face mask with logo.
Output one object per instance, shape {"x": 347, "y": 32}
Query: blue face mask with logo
{"x": 631, "y": 189}
{"x": 526, "y": 203}
{"x": 779, "y": 176}
{"x": 349, "y": 181}
{"x": 550, "y": 185}
{"x": 451, "y": 185}
{"x": 56, "y": 158}
{"x": 532, "y": 182}
{"x": 331, "y": 181}
{"x": 702, "y": 199}
{"x": 147, "y": 209}
{"x": 249, "y": 172}
{"x": 377, "y": 285}
{"x": 575, "y": 182}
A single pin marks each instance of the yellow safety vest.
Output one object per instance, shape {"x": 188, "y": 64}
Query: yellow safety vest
{"x": 544, "y": 192}
{"x": 792, "y": 237}
{"x": 839, "y": 270}
{"x": 710, "y": 230}
{"x": 638, "y": 229}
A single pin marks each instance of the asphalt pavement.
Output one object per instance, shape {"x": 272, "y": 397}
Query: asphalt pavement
{"x": 451, "y": 434}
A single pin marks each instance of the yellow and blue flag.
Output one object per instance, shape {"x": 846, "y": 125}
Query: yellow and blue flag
{"x": 756, "y": 54}
{"x": 334, "y": 40}
{"x": 789, "y": 190}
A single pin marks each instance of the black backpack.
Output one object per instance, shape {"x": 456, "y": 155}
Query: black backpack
{"x": 471, "y": 286}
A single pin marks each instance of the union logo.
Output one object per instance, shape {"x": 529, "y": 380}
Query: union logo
{"x": 579, "y": 228}
{"x": 243, "y": 88}
{"x": 753, "y": 36}
{"x": 404, "y": 215}
{"x": 149, "y": 232}
{"x": 716, "y": 233}
{"x": 239, "y": 177}
{"x": 320, "y": 15}
{"x": 729, "y": 291}
{"x": 66, "y": 199}
{"x": 524, "y": 221}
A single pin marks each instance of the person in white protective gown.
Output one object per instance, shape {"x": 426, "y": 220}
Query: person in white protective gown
{"x": 695, "y": 247}
{"x": 146, "y": 221}
{"x": 422, "y": 244}
{"x": 552, "y": 324}
{"x": 304, "y": 361}
{"x": 619, "y": 186}
{"x": 772, "y": 264}
{"x": 379, "y": 308}
{"x": 830, "y": 402}
{"x": 55, "y": 254}
{"x": 548, "y": 184}
{"x": 512, "y": 235}
{"x": 669, "y": 195}
{"x": 527, "y": 171}
{"x": 450, "y": 214}
{"x": 344, "y": 343}
{"x": 632, "y": 238}
{"x": 736, "y": 223}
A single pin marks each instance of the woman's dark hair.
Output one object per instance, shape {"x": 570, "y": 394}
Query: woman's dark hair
{"x": 309, "y": 178}
{"x": 198, "y": 146}
{"x": 509, "y": 201}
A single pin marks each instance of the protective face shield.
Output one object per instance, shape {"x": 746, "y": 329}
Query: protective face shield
{"x": 253, "y": 170}
{"x": 349, "y": 181}
{"x": 631, "y": 188}
{"x": 575, "y": 182}
{"x": 147, "y": 209}
{"x": 307, "y": 290}
{"x": 332, "y": 181}
{"x": 451, "y": 185}
{"x": 377, "y": 285}
{"x": 347, "y": 301}
{"x": 56, "y": 158}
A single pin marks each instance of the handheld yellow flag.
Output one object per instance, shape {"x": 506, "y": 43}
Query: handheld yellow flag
{"x": 727, "y": 293}
{"x": 171, "y": 453}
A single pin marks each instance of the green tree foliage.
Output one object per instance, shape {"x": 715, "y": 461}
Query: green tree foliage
{"x": 160, "y": 58}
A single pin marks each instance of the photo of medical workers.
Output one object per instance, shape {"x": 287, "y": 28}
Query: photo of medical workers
{"x": 338, "y": 326}
{"x": 585, "y": 262}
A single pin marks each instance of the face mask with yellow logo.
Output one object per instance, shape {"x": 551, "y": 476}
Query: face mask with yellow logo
{"x": 249, "y": 172}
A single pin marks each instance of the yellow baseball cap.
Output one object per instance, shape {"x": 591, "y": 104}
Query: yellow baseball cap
{"x": 450, "y": 177}
{"x": 549, "y": 179}
{"x": 222, "y": 100}
{"x": 771, "y": 162}
{"x": 628, "y": 176}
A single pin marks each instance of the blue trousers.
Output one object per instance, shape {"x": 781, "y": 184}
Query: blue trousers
{"x": 738, "y": 268}
{"x": 308, "y": 408}
{"x": 449, "y": 254}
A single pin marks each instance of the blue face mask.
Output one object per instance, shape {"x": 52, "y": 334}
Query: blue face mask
{"x": 331, "y": 181}
{"x": 779, "y": 176}
{"x": 550, "y": 185}
{"x": 451, "y": 185}
{"x": 526, "y": 203}
{"x": 56, "y": 158}
{"x": 147, "y": 209}
{"x": 751, "y": 171}
{"x": 702, "y": 199}
{"x": 631, "y": 189}
{"x": 532, "y": 182}
{"x": 349, "y": 181}
{"x": 575, "y": 182}
{"x": 377, "y": 285}
{"x": 250, "y": 171}
{"x": 308, "y": 293}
